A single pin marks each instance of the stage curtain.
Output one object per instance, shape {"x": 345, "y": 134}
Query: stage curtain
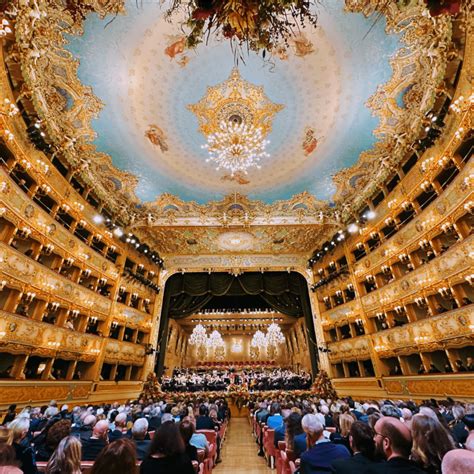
{"x": 189, "y": 292}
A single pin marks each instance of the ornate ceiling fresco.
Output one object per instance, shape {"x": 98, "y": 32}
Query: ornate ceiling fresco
{"x": 115, "y": 87}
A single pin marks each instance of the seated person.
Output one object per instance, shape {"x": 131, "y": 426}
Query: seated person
{"x": 120, "y": 427}
{"x": 139, "y": 433}
{"x": 295, "y": 436}
{"x": 186, "y": 428}
{"x": 321, "y": 452}
{"x": 361, "y": 440}
{"x": 92, "y": 446}
{"x": 204, "y": 421}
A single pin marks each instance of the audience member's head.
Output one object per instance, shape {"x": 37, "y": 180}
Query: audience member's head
{"x": 140, "y": 428}
{"x": 167, "y": 440}
{"x": 100, "y": 429}
{"x": 8, "y": 458}
{"x": 392, "y": 438}
{"x": 312, "y": 427}
{"x": 118, "y": 457}
{"x": 431, "y": 442}
{"x": 121, "y": 420}
{"x": 470, "y": 442}
{"x": 186, "y": 428}
{"x": 458, "y": 461}
{"x": 57, "y": 432}
{"x": 89, "y": 420}
{"x": 361, "y": 439}
{"x": 66, "y": 459}
{"x": 345, "y": 423}
{"x": 18, "y": 429}
{"x": 293, "y": 428}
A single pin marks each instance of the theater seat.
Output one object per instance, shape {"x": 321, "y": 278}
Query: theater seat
{"x": 269, "y": 446}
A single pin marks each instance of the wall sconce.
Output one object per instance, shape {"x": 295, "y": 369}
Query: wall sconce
{"x": 114, "y": 325}
{"x": 146, "y": 301}
{"x": 390, "y": 221}
{"x": 374, "y": 235}
{"x": 399, "y": 309}
{"x": 102, "y": 281}
{"x": 86, "y": 273}
{"x": 122, "y": 290}
{"x": 447, "y": 227}
{"x": 30, "y": 296}
{"x": 421, "y": 302}
{"x": 426, "y": 186}
{"x": 470, "y": 279}
{"x": 445, "y": 292}
{"x": 53, "y": 306}
{"x": 48, "y": 249}
{"x": 424, "y": 244}
{"x": 332, "y": 264}
{"x": 469, "y": 207}
{"x": 404, "y": 258}
{"x": 380, "y": 316}
{"x": 358, "y": 322}
{"x": 93, "y": 319}
{"x": 23, "y": 233}
{"x": 45, "y": 188}
{"x": 65, "y": 207}
{"x": 407, "y": 205}
{"x": 326, "y": 299}
{"x": 370, "y": 278}
{"x": 321, "y": 271}
{"x": 3, "y": 284}
{"x": 69, "y": 261}
{"x": 350, "y": 287}
{"x": 134, "y": 296}
{"x": 360, "y": 246}
{"x": 385, "y": 269}
{"x": 75, "y": 313}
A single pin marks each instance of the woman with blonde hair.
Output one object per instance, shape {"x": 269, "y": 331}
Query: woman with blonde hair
{"x": 66, "y": 459}
{"x": 344, "y": 423}
{"x": 19, "y": 428}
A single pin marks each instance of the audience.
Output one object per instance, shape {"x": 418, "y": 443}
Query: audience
{"x": 167, "y": 453}
{"x": 405, "y": 436}
{"x": 66, "y": 459}
{"x": 117, "y": 457}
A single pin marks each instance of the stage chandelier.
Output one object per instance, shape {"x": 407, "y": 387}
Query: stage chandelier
{"x": 236, "y": 147}
{"x": 203, "y": 342}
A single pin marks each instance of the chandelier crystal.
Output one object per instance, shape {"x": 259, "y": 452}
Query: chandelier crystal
{"x": 236, "y": 147}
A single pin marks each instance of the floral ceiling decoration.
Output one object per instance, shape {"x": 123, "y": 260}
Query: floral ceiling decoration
{"x": 256, "y": 25}
{"x": 138, "y": 145}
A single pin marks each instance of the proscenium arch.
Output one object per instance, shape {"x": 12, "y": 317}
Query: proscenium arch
{"x": 187, "y": 293}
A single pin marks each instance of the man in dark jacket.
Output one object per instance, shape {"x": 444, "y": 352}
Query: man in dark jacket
{"x": 361, "y": 440}
{"x": 139, "y": 432}
{"x": 120, "y": 427}
{"x": 203, "y": 421}
{"x": 93, "y": 446}
{"x": 318, "y": 458}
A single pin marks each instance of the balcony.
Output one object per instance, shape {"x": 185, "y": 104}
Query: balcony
{"x": 31, "y": 274}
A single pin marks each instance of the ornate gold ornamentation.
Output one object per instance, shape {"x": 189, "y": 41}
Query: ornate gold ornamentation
{"x": 234, "y": 100}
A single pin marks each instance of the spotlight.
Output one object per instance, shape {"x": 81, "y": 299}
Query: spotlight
{"x": 118, "y": 232}
{"x": 370, "y": 215}
{"x": 98, "y": 219}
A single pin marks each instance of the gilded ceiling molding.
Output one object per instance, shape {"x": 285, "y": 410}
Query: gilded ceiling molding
{"x": 68, "y": 107}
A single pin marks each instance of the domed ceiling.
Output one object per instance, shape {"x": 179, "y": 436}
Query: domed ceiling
{"x": 137, "y": 67}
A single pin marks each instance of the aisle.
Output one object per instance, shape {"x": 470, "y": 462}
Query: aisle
{"x": 239, "y": 455}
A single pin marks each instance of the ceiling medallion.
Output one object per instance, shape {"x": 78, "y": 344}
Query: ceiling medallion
{"x": 235, "y": 117}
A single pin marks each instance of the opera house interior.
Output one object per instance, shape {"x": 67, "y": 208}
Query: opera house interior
{"x": 236, "y": 236}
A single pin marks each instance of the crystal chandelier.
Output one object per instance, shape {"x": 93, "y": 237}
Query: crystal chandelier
{"x": 258, "y": 340}
{"x": 236, "y": 146}
{"x": 215, "y": 340}
{"x": 198, "y": 336}
{"x": 274, "y": 335}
